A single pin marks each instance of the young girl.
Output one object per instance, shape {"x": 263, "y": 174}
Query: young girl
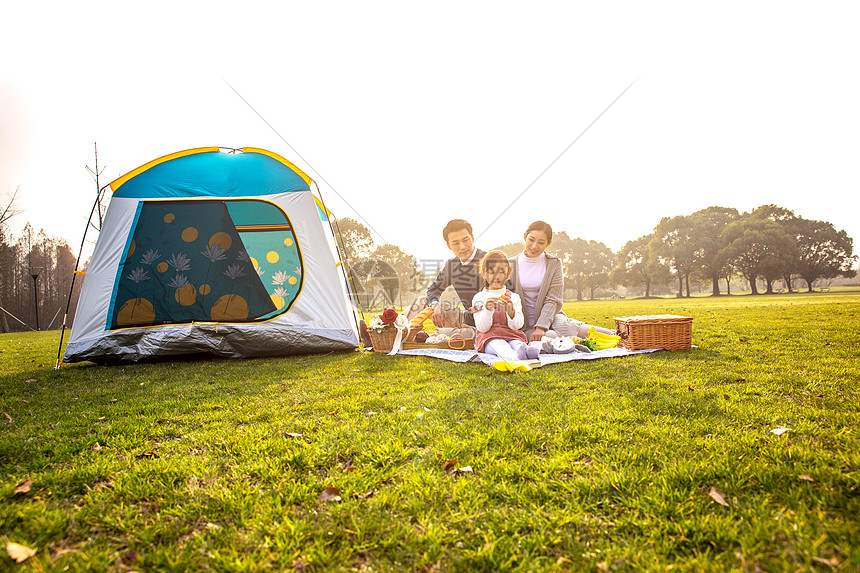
{"x": 498, "y": 313}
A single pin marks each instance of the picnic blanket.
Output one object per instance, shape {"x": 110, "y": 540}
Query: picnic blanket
{"x": 543, "y": 359}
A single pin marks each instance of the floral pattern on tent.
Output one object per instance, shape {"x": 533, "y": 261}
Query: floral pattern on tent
{"x": 207, "y": 260}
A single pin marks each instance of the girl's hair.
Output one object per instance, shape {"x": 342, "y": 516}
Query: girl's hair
{"x": 543, "y": 227}
{"x": 492, "y": 258}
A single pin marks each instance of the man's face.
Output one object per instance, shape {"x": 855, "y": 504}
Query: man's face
{"x": 461, "y": 243}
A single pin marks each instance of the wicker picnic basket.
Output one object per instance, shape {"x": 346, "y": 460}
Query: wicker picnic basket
{"x": 456, "y": 342}
{"x": 383, "y": 340}
{"x": 667, "y": 331}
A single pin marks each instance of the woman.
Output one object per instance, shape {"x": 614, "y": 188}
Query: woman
{"x": 538, "y": 278}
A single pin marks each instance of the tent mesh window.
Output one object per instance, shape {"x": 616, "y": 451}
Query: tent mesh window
{"x": 207, "y": 260}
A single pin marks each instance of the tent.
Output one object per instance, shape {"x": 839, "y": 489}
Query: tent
{"x": 224, "y": 252}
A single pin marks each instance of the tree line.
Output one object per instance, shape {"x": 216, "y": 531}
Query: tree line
{"x": 52, "y": 262}
{"x": 767, "y": 246}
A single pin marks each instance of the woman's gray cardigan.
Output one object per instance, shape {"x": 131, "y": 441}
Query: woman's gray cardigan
{"x": 550, "y": 296}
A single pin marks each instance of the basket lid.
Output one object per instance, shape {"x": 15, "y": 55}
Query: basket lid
{"x": 654, "y": 318}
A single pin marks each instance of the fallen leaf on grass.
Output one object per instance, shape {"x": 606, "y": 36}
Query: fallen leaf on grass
{"x": 330, "y": 494}
{"x": 726, "y": 396}
{"x": 463, "y": 470}
{"x": 8, "y": 417}
{"x": 23, "y": 487}
{"x": 150, "y": 454}
{"x": 832, "y": 562}
{"x": 718, "y": 496}
{"x": 366, "y": 495}
{"x": 30, "y": 380}
{"x": 101, "y": 419}
{"x": 293, "y": 435}
{"x": 370, "y": 414}
{"x": 449, "y": 465}
{"x": 19, "y": 553}
{"x": 97, "y": 447}
{"x": 779, "y": 431}
{"x": 806, "y": 477}
{"x": 130, "y": 556}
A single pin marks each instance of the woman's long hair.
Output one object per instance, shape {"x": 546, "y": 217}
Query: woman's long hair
{"x": 543, "y": 227}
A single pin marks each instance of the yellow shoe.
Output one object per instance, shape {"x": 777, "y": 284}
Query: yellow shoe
{"x": 512, "y": 366}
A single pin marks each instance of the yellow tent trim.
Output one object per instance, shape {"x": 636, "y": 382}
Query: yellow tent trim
{"x": 283, "y": 160}
{"x": 321, "y": 206}
{"x": 134, "y": 173}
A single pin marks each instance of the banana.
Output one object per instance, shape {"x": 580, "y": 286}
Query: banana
{"x": 603, "y": 341}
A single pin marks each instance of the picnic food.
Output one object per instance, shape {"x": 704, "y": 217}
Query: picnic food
{"x": 603, "y": 341}
{"x": 419, "y": 318}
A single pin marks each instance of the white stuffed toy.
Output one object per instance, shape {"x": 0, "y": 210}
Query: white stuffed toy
{"x": 561, "y": 345}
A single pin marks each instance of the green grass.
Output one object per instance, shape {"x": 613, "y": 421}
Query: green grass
{"x": 595, "y": 465}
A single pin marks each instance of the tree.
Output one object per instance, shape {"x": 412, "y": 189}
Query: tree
{"x": 824, "y": 252}
{"x": 600, "y": 259}
{"x": 404, "y": 265}
{"x": 637, "y": 266}
{"x": 586, "y": 263}
{"x": 791, "y": 224}
{"x": 708, "y": 241}
{"x": 10, "y": 209}
{"x": 355, "y": 240}
{"x": 511, "y": 249}
{"x": 673, "y": 242}
{"x": 757, "y": 247}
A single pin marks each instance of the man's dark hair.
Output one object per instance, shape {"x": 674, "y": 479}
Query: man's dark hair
{"x": 456, "y": 225}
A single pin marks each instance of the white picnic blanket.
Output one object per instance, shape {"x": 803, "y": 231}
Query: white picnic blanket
{"x": 545, "y": 359}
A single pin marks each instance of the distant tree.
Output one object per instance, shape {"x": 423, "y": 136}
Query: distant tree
{"x": 405, "y": 266}
{"x": 824, "y": 252}
{"x": 354, "y": 241}
{"x": 10, "y": 209}
{"x": 758, "y": 248}
{"x": 637, "y": 266}
{"x": 673, "y": 242}
{"x": 511, "y": 249}
{"x": 586, "y": 263}
{"x": 708, "y": 241}
{"x": 600, "y": 259}
{"x": 791, "y": 224}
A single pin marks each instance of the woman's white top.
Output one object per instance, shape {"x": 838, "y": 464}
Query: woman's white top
{"x": 531, "y": 274}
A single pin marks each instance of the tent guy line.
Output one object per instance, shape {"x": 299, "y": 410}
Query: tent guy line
{"x": 299, "y": 155}
{"x": 529, "y": 186}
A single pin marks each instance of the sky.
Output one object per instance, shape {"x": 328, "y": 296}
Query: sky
{"x": 411, "y": 114}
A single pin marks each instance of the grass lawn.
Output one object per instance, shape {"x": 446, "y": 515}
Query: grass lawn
{"x": 601, "y": 465}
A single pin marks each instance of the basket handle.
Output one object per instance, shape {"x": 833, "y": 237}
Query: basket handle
{"x": 459, "y": 339}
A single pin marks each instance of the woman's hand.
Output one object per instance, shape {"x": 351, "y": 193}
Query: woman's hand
{"x": 538, "y": 334}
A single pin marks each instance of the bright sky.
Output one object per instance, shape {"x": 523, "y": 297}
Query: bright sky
{"x": 410, "y": 114}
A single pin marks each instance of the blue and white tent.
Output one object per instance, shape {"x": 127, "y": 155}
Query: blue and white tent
{"x": 213, "y": 251}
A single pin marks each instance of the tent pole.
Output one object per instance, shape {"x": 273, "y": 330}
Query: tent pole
{"x": 75, "y": 274}
{"x": 349, "y": 288}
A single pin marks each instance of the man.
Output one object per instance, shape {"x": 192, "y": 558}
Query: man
{"x": 462, "y": 272}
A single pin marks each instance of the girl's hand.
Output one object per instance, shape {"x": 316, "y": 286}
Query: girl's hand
{"x": 490, "y": 303}
{"x": 538, "y": 334}
{"x": 511, "y": 312}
